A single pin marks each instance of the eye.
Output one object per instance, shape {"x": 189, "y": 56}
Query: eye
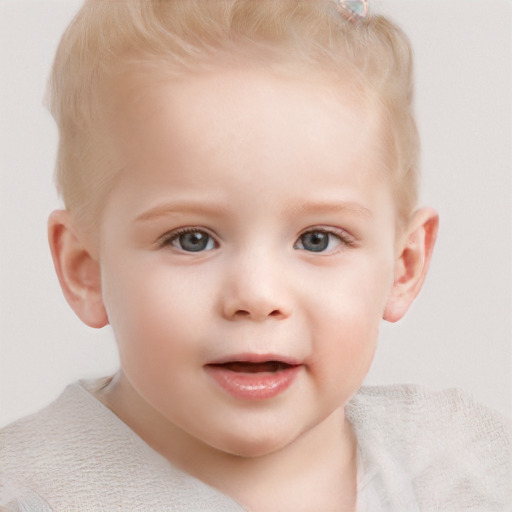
{"x": 320, "y": 240}
{"x": 189, "y": 240}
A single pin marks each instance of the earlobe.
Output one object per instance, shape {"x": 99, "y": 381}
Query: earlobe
{"x": 78, "y": 271}
{"x": 412, "y": 263}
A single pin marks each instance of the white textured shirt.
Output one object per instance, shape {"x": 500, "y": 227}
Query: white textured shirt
{"x": 417, "y": 451}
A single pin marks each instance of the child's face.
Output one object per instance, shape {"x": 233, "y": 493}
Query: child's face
{"x": 252, "y": 224}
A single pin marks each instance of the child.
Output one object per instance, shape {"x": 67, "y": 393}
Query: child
{"x": 240, "y": 188}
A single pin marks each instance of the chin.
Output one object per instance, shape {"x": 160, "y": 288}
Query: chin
{"x": 252, "y": 450}
{"x": 251, "y": 445}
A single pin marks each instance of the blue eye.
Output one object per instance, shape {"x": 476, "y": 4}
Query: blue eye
{"x": 318, "y": 241}
{"x": 190, "y": 240}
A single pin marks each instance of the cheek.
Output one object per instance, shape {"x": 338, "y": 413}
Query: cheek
{"x": 145, "y": 292}
{"x": 348, "y": 322}
{"x": 356, "y": 293}
{"x": 343, "y": 356}
{"x": 148, "y": 310}
{"x": 348, "y": 340}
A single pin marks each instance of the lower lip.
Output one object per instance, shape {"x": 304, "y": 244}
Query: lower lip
{"x": 253, "y": 386}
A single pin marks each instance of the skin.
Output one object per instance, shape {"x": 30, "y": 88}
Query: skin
{"x": 254, "y": 163}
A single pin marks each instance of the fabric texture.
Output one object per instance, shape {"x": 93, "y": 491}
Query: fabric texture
{"x": 417, "y": 451}
{"x": 430, "y": 451}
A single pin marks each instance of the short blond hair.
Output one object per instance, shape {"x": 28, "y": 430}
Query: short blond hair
{"x": 186, "y": 32}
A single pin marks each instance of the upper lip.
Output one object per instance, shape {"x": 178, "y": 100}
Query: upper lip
{"x": 256, "y": 358}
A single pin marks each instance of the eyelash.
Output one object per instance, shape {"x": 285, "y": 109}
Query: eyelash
{"x": 171, "y": 236}
{"x": 344, "y": 238}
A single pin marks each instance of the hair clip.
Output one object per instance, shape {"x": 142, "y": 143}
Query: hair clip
{"x": 354, "y": 10}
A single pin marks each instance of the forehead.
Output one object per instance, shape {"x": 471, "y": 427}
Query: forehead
{"x": 267, "y": 111}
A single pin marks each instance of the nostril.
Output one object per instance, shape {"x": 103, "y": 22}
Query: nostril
{"x": 242, "y": 313}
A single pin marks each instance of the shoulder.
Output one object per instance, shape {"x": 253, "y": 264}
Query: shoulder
{"x": 456, "y": 451}
{"x": 30, "y": 439}
{"x": 73, "y": 420}
{"x": 40, "y": 451}
{"x": 77, "y": 455}
{"x": 408, "y": 403}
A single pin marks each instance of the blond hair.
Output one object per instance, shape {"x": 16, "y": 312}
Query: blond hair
{"x": 188, "y": 32}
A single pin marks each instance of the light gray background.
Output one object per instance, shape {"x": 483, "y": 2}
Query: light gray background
{"x": 458, "y": 332}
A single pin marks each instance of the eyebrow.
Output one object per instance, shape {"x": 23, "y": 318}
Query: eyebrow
{"x": 166, "y": 209}
{"x": 299, "y": 207}
{"x": 331, "y": 207}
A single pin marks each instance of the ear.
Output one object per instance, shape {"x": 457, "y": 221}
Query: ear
{"x": 411, "y": 265}
{"x": 78, "y": 271}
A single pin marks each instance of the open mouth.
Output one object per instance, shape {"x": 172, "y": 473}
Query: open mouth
{"x": 254, "y": 380}
{"x": 247, "y": 367}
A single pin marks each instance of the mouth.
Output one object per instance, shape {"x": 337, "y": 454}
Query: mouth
{"x": 248, "y": 367}
{"x": 254, "y": 377}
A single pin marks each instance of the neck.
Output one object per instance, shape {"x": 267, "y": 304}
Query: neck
{"x": 317, "y": 471}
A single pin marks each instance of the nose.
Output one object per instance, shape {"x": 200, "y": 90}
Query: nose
{"x": 255, "y": 289}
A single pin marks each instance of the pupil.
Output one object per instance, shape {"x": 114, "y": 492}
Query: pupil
{"x": 194, "y": 242}
{"x": 315, "y": 241}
